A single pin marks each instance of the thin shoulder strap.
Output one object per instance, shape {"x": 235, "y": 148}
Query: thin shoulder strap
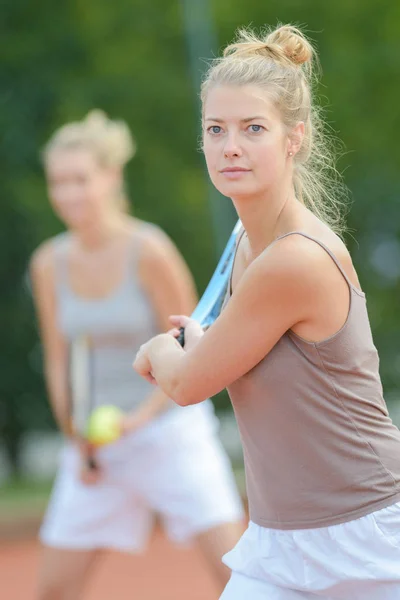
{"x": 60, "y": 248}
{"x": 135, "y": 251}
{"x": 135, "y": 247}
{"x": 239, "y": 239}
{"x": 324, "y": 247}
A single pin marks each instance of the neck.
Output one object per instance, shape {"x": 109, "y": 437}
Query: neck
{"x": 267, "y": 216}
{"x": 97, "y": 234}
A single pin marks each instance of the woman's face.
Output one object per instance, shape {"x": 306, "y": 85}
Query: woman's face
{"x": 245, "y": 142}
{"x": 80, "y": 190}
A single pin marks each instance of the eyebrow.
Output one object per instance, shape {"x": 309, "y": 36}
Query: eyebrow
{"x": 246, "y": 120}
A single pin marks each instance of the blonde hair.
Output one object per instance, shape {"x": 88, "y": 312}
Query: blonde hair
{"x": 111, "y": 142}
{"x": 283, "y": 62}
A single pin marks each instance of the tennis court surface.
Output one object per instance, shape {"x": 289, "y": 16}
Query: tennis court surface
{"x": 164, "y": 572}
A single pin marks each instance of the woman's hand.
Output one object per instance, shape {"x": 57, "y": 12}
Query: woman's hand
{"x": 159, "y": 360}
{"x": 142, "y": 364}
{"x": 88, "y": 475}
{"x": 193, "y": 331}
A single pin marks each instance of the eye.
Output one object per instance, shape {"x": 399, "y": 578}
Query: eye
{"x": 82, "y": 179}
{"x": 255, "y": 128}
{"x": 214, "y": 129}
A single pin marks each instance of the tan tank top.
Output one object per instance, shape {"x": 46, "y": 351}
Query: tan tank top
{"x": 319, "y": 446}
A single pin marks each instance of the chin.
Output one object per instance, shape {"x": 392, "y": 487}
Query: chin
{"x": 75, "y": 220}
{"x": 236, "y": 189}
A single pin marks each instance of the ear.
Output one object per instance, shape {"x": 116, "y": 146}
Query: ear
{"x": 115, "y": 175}
{"x": 295, "y": 138}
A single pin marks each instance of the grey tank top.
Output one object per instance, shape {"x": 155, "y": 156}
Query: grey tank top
{"x": 319, "y": 446}
{"x": 117, "y": 324}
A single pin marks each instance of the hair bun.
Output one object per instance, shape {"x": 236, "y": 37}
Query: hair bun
{"x": 114, "y": 139}
{"x": 285, "y": 45}
{"x": 292, "y": 43}
{"x": 111, "y": 141}
{"x": 96, "y": 119}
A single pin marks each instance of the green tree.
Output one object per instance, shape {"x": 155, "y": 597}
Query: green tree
{"x": 130, "y": 59}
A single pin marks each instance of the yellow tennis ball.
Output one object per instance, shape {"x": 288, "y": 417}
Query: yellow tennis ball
{"x": 104, "y": 425}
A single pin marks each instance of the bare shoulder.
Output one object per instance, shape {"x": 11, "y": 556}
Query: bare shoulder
{"x": 304, "y": 262}
{"x": 156, "y": 245}
{"x": 42, "y": 259}
{"x": 292, "y": 255}
{"x": 164, "y": 274}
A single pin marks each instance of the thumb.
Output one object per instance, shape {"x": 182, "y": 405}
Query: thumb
{"x": 179, "y": 320}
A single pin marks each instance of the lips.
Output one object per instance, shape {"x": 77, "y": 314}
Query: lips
{"x": 234, "y": 173}
{"x": 234, "y": 170}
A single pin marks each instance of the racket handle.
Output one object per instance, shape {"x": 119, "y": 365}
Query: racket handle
{"x": 181, "y": 336}
{"x": 91, "y": 463}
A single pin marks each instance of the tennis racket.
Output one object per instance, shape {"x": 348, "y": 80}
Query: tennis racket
{"x": 81, "y": 388}
{"x": 211, "y": 301}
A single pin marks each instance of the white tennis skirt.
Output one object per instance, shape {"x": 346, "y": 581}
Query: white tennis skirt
{"x": 358, "y": 560}
{"x": 175, "y": 467}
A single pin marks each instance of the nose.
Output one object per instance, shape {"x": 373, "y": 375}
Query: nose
{"x": 232, "y": 148}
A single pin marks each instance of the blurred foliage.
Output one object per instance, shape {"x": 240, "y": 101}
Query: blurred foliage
{"x": 129, "y": 57}
{"x": 19, "y": 497}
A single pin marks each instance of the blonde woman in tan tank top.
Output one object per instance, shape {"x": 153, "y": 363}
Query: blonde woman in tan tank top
{"x": 293, "y": 345}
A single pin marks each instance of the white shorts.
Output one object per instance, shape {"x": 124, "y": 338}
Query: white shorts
{"x": 358, "y": 560}
{"x": 177, "y": 471}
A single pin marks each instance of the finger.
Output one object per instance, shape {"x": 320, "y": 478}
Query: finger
{"x": 138, "y": 366}
{"x": 140, "y": 362}
{"x": 194, "y": 327}
{"x": 142, "y": 366}
{"x": 174, "y": 332}
{"x": 179, "y": 320}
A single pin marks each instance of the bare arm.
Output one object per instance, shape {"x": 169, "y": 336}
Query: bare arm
{"x": 166, "y": 278}
{"x": 169, "y": 284}
{"x": 42, "y": 270}
{"x": 151, "y": 408}
{"x": 283, "y": 288}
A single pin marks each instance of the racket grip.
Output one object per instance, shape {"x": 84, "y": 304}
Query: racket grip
{"x": 91, "y": 463}
{"x": 181, "y": 336}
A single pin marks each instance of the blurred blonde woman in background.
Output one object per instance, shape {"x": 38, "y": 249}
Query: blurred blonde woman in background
{"x": 117, "y": 279}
